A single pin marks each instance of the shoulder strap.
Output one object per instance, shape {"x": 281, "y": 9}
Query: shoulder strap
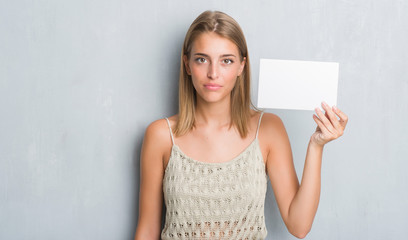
{"x": 259, "y": 124}
{"x": 171, "y": 131}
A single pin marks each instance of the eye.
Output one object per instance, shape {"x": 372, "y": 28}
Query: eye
{"x": 201, "y": 60}
{"x": 228, "y": 61}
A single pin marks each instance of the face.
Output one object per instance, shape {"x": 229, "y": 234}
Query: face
{"x": 214, "y": 65}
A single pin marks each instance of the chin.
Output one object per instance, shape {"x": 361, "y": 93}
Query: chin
{"x": 213, "y": 98}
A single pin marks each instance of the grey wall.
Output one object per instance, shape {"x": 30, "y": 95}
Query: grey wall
{"x": 81, "y": 80}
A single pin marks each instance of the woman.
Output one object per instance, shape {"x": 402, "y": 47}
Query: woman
{"x": 210, "y": 163}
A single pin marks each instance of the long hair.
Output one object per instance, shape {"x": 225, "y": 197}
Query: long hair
{"x": 225, "y": 26}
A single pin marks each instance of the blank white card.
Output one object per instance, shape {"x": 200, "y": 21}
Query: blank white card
{"x": 300, "y": 85}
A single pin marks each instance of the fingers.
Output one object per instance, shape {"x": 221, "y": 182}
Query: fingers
{"x": 343, "y": 117}
{"x": 329, "y": 125}
{"x": 332, "y": 116}
{"x": 320, "y": 125}
{"x": 325, "y": 121}
{"x": 330, "y": 120}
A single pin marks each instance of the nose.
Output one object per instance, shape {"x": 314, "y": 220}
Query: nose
{"x": 213, "y": 71}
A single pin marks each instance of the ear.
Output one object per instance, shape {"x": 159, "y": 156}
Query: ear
{"x": 241, "y": 68}
{"x": 185, "y": 60}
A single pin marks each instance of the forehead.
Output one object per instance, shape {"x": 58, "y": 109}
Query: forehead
{"x": 213, "y": 44}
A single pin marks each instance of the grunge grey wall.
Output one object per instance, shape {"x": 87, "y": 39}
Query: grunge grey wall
{"x": 81, "y": 80}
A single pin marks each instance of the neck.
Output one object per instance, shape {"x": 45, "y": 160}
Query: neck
{"x": 216, "y": 114}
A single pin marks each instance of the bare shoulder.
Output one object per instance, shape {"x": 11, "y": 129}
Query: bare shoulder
{"x": 272, "y": 130}
{"x": 158, "y": 133}
{"x": 157, "y": 129}
{"x": 274, "y": 140}
{"x": 271, "y": 123}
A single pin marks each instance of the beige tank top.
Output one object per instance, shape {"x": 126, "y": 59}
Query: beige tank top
{"x": 215, "y": 200}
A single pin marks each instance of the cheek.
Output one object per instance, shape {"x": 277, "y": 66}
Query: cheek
{"x": 230, "y": 75}
{"x": 197, "y": 71}
{"x": 196, "y": 76}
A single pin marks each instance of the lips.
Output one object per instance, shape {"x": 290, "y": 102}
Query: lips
{"x": 212, "y": 86}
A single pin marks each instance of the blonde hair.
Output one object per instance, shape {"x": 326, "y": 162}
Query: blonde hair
{"x": 225, "y": 26}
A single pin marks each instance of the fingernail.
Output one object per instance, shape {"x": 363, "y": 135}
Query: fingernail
{"x": 334, "y": 107}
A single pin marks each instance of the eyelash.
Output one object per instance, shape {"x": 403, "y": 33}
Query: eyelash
{"x": 230, "y": 61}
{"x": 201, "y": 60}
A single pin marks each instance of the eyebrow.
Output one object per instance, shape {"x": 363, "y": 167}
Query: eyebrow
{"x": 224, "y": 55}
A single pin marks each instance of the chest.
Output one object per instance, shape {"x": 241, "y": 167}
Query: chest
{"x": 241, "y": 175}
{"x": 215, "y": 199}
{"x": 214, "y": 147}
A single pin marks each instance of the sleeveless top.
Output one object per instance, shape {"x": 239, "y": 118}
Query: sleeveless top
{"x": 223, "y": 200}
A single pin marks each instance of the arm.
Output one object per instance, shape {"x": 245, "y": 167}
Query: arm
{"x": 152, "y": 171}
{"x": 298, "y": 203}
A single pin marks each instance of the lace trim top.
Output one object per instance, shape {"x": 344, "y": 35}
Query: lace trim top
{"x": 215, "y": 200}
